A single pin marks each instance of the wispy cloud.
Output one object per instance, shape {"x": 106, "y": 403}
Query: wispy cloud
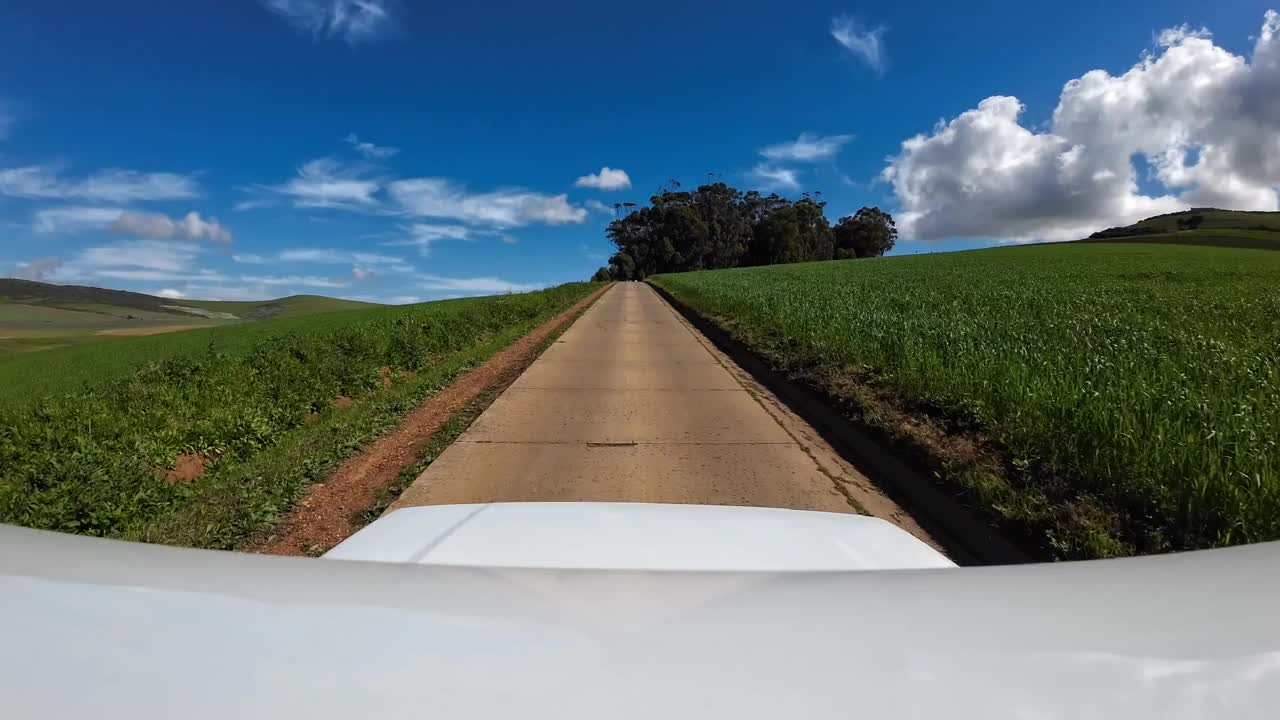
{"x": 368, "y": 149}
{"x": 74, "y": 219}
{"x": 807, "y": 148}
{"x": 326, "y": 183}
{"x": 308, "y": 281}
{"x": 442, "y": 198}
{"x": 607, "y": 179}
{"x": 865, "y": 44}
{"x": 474, "y": 285}
{"x": 162, "y": 227}
{"x": 40, "y": 269}
{"x": 352, "y": 20}
{"x": 597, "y": 206}
{"x": 112, "y": 185}
{"x": 424, "y": 235}
{"x": 771, "y": 177}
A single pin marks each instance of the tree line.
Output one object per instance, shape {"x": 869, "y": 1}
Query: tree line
{"x": 718, "y": 226}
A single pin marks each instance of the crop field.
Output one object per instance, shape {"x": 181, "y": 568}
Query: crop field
{"x": 1129, "y": 393}
{"x": 203, "y": 438}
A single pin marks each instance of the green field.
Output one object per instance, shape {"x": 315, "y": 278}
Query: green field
{"x": 82, "y": 359}
{"x": 88, "y": 433}
{"x": 1106, "y": 398}
{"x": 36, "y": 316}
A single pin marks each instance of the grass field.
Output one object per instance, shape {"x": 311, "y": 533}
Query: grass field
{"x": 267, "y": 407}
{"x": 24, "y": 377}
{"x": 1121, "y": 398}
{"x": 40, "y": 316}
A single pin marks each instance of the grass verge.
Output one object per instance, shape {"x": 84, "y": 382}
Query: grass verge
{"x": 265, "y": 419}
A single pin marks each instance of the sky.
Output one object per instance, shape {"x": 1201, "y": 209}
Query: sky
{"x": 400, "y": 151}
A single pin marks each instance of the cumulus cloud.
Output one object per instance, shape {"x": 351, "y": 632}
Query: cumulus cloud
{"x": 863, "y": 43}
{"x": 807, "y": 148}
{"x": 1206, "y": 121}
{"x": 368, "y": 149}
{"x": 326, "y": 183}
{"x": 607, "y": 179}
{"x": 771, "y": 177}
{"x": 442, "y": 198}
{"x": 162, "y": 227}
{"x": 41, "y": 269}
{"x": 112, "y": 185}
{"x": 351, "y": 20}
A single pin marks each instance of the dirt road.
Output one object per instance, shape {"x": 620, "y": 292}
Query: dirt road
{"x": 633, "y": 404}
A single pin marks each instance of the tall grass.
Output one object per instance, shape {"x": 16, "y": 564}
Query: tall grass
{"x": 1141, "y": 378}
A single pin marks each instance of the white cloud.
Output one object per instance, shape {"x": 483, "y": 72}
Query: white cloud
{"x": 1206, "y": 121}
{"x": 254, "y": 204}
{"x": 807, "y": 148}
{"x": 424, "y": 235}
{"x": 360, "y": 273}
{"x": 74, "y": 219}
{"x": 475, "y": 285}
{"x": 309, "y": 281}
{"x": 772, "y": 177}
{"x": 865, "y": 44}
{"x": 111, "y": 185}
{"x": 607, "y": 179}
{"x": 352, "y": 20}
{"x": 324, "y": 183}
{"x": 368, "y": 149}
{"x": 162, "y": 227}
{"x": 171, "y": 293}
{"x": 442, "y": 198}
{"x": 145, "y": 254}
{"x": 41, "y": 269}
{"x": 599, "y": 207}
{"x": 328, "y": 256}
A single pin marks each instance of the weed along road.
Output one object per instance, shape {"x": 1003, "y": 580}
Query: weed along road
{"x": 633, "y": 404}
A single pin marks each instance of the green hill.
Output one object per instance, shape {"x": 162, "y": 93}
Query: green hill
{"x": 1201, "y": 226}
{"x": 42, "y": 316}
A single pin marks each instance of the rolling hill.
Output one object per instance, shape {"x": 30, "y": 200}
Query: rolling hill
{"x": 39, "y": 316}
{"x": 1201, "y": 226}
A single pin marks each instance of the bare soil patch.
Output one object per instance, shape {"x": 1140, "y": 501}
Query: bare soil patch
{"x": 324, "y": 517}
{"x": 187, "y": 467}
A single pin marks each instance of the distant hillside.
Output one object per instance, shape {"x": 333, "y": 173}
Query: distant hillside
{"x": 100, "y": 300}
{"x": 40, "y": 316}
{"x": 1201, "y": 226}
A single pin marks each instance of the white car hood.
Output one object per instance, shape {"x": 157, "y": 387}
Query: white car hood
{"x": 106, "y": 629}
{"x": 637, "y": 536}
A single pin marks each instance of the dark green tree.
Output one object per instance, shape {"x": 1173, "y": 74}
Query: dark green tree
{"x": 602, "y": 275}
{"x": 870, "y": 232}
{"x": 718, "y": 226}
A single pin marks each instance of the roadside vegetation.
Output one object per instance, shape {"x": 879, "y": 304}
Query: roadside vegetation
{"x": 1103, "y": 399}
{"x": 207, "y": 445}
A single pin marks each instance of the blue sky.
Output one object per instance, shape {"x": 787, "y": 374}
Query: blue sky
{"x": 399, "y": 151}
